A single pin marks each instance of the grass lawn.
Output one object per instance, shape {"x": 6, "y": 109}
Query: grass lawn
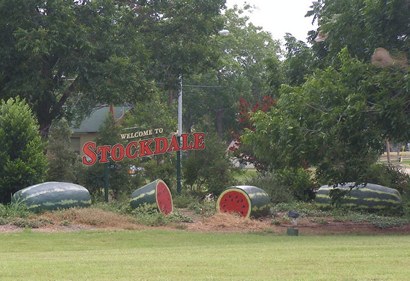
{"x": 182, "y": 255}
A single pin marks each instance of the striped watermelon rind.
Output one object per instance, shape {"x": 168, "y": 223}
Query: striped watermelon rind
{"x": 256, "y": 202}
{"x": 370, "y": 197}
{"x": 154, "y": 195}
{"x": 50, "y": 196}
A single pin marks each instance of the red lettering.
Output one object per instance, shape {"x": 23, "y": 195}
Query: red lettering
{"x": 199, "y": 141}
{"x": 161, "y": 145}
{"x": 174, "y": 145}
{"x": 145, "y": 150}
{"x": 103, "y": 153}
{"x": 128, "y": 152}
{"x": 117, "y": 152}
{"x": 186, "y": 145}
{"x": 90, "y": 156}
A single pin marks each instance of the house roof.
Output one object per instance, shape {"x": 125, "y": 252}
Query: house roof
{"x": 93, "y": 122}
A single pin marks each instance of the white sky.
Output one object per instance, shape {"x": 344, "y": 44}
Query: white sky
{"x": 279, "y": 16}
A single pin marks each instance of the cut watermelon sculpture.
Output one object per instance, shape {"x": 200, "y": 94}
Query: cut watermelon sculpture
{"x": 248, "y": 201}
{"x": 155, "y": 194}
{"x": 49, "y": 196}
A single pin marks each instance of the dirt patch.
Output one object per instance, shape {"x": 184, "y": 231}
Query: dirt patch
{"x": 98, "y": 219}
{"x": 8, "y": 228}
{"x": 225, "y": 222}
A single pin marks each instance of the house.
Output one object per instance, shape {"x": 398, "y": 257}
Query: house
{"x": 90, "y": 126}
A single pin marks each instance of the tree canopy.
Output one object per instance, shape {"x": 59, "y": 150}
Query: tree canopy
{"x": 361, "y": 26}
{"x": 71, "y": 55}
{"x": 23, "y": 162}
{"x": 343, "y": 101}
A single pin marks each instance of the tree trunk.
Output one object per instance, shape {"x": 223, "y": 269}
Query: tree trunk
{"x": 388, "y": 151}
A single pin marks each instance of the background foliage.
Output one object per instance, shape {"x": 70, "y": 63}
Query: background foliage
{"x": 23, "y": 162}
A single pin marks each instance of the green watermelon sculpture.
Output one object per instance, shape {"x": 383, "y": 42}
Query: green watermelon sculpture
{"x": 49, "y": 196}
{"x": 155, "y": 194}
{"x": 370, "y": 197}
{"x": 247, "y": 201}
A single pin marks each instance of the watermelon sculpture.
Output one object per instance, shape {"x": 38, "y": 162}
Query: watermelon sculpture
{"x": 371, "y": 197}
{"x": 50, "y": 196}
{"x": 248, "y": 201}
{"x": 155, "y": 194}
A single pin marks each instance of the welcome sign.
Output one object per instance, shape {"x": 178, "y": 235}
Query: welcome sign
{"x": 141, "y": 148}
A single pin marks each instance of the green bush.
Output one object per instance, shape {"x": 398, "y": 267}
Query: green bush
{"x": 209, "y": 170}
{"x": 277, "y": 192}
{"x": 205, "y": 209}
{"x": 303, "y": 208}
{"x": 148, "y": 215}
{"x": 62, "y": 159}
{"x": 394, "y": 177}
{"x": 23, "y": 162}
{"x": 390, "y": 176}
{"x": 184, "y": 200}
{"x": 286, "y": 185}
{"x": 14, "y": 210}
{"x": 120, "y": 182}
{"x": 161, "y": 167}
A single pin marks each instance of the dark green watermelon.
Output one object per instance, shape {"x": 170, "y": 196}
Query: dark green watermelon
{"x": 248, "y": 201}
{"x": 371, "y": 197}
{"x": 49, "y": 196}
{"x": 156, "y": 194}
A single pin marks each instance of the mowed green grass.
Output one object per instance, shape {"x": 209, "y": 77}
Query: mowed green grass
{"x": 181, "y": 255}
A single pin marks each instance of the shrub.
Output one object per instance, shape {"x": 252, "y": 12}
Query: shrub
{"x": 390, "y": 176}
{"x": 14, "y": 210}
{"x": 120, "y": 182}
{"x": 63, "y": 161}
{"x": 205, "y": 209}
{"x": 184, "y": 200}
{"x": 210, "y": 170}
{"x": 286, "y": 185}
{"x": 161, "y": 167}
{"x": 277, "y": 192}
{"x": 23, "y": 162}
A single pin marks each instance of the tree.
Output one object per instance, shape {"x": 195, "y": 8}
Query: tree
{"x": 331, "y": 122}
{"x": 240, "y": 150}
{"x": 113, "y": 175}
{"x": 65, "y": 56}
{"x": 56, "y": 53}
{"x": 245, "y": 68}
{"x": 374, "y": 32}
{"x": 299, "y": 61}
{"x": 179, "y": 37}
{"x": 23, "y": 162}
{"x": 208, "y": 171}
{"x": 153, "y": 114}
{"x": 361, "y": 26}
{"x": 63, "y": 161}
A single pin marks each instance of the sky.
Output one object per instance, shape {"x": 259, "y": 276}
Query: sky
{"x": 280, "y": 16}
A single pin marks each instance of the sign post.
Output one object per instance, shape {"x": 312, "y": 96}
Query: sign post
{"x": 106, "y": 180}
{"x": 179, "y": 177}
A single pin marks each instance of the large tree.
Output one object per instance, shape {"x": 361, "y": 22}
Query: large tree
{"x": 242, "y": 71}
{"x": 361, "y": 26}
{"x": 65, "y": 55}
{"x": 336, "y": 121}
{"x": 56, "y": 52}
{"x": 355, "y": 97}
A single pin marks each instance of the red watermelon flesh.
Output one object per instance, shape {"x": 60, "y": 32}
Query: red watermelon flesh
{"x": 234, "y": 202}
{"x": 164, "y": 198}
